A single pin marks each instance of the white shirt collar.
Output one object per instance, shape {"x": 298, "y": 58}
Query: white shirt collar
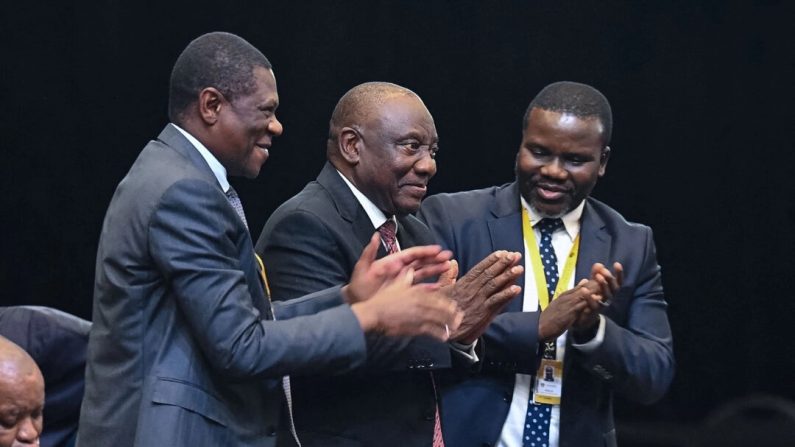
{"x": 571, "y": 220}
{"x": 218, "y": 169}
{"x": 377, "y": 217}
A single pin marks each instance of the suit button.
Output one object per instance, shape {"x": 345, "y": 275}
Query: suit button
{"x": 430, "y": 415}
{"x": 506, "y": 397}
{"x": 271, "y": 430}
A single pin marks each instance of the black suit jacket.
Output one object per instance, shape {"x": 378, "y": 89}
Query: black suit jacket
{"x": 57, "y": 342}
{"x": 312, "y": 242}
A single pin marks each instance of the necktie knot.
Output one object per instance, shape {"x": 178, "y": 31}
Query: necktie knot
{"x": 388, "y": 235}
{"x": 549, "y": 226}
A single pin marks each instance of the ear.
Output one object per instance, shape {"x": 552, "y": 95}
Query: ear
{"x": 210, "y": 103}
{"x": 603, "y": 160}
{"x": 349, "y": 144}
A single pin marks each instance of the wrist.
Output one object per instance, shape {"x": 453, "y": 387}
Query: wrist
{"x": 366, "y": 314}
{"x": 586, "y": 333}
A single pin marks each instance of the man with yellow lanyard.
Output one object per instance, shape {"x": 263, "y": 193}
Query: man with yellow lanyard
{"x": 581, "y": 331}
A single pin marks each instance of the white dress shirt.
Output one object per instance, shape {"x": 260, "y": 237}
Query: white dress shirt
{"x": 562, "y": 242}
{"x": 218, "y": 169}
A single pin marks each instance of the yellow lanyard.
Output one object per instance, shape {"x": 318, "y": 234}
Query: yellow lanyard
{"x": 538, "y": 268}
{"x": 263, "y": 276}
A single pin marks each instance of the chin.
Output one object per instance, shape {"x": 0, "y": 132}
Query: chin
{"x": 550, "y": 211}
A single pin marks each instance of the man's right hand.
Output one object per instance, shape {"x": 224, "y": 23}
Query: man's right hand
{"x": 403, "y": 309}
{"x": 369, "y": 274}
{"x": 563, "y": 311}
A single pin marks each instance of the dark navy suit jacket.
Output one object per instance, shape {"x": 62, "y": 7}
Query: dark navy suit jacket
{"x": 635, "y": 359}
{"x": 57, "y": 342}
{"x": 312, "y": 242}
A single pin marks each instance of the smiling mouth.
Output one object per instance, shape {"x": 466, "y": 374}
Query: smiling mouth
{"x": 550, "y": 192}
{"x": 416, "y": 188}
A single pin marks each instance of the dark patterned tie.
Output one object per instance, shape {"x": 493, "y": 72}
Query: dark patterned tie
{"x": 536, "y": 425}
{"x": 388, "y": 237}
{"x": 234, "y": 200}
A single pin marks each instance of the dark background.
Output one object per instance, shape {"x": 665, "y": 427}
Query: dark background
{"x": 702, "y": 146}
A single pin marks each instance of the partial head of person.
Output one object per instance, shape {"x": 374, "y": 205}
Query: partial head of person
{"x": 223, "y": 92}
{"x": 21, "y": 397}
{"x": 564, "y": 151}
{"x": 383, "y": 140}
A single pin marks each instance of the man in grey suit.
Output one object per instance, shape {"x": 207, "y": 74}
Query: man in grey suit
{"x": 589, "y": 349}
{"x": 183, "y": 350}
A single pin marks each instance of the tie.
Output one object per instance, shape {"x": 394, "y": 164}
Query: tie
{"x": 234, "y": 200}
{"x": 536, "y": 425}
{"x": 388, "y": 236}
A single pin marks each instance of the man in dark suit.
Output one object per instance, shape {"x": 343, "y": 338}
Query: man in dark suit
{"x": 57, "y": 342}
{"x": 622, "y": 345}
{"x": 183, "y": 350}
{"x": 21, "y": 397}
{"x": 381, "y": 148}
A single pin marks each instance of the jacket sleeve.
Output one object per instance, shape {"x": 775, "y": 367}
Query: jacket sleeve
{"x": 195, "y": 241}
{"x": 636, "y": 356}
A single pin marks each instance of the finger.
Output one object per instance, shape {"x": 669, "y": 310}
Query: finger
{"x": 483, "y": 265}
{"x": 500, "y": 299}
{"x": 449, "y": 277}
{"x": 370, "y": 251}
{"x": 619, "y": 269}
{"x": 431, "y": 270}
{"x": 498, "y": 274}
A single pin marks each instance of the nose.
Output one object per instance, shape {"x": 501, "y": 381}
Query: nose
{"x": 426, "y": 165}
{"x": 275, "y": 127}
{"x": 554, "y": 169}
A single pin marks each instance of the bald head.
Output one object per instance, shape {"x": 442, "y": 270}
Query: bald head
{"x": 21, "y": 396}
{"x": 383, "y": 139}
{"x": 357, "y": 105}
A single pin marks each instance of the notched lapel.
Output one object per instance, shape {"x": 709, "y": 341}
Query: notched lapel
{"x": 347, "y": 205}
{"x": 595, "y": 243}
{"x": 505, "y": 230}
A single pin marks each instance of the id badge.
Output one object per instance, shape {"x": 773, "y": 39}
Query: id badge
{"x": 548, "y": 382}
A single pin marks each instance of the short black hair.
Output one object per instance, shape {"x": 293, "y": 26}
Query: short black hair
{"x": 574, "y": 98}
{"x": 221, "y": 60}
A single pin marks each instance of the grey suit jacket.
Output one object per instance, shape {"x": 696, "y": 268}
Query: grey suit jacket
{"x": 635, "y": 359}
{"x": 182, "y": 351}
{"x": 311, "y": 242}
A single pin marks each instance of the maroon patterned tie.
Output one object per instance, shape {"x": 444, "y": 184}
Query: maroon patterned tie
{"x": 388, "y": 237}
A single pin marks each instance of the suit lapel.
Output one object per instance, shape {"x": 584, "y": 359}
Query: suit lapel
{"x": 594, "y": 243}
{"x": 347, "y": 206}
{"x": 174, "y": 139}
{"x": 505, "y": 229}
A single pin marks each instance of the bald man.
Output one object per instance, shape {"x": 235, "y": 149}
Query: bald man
{"x": 381, "y": 154}
{"x": 21, "y": 397}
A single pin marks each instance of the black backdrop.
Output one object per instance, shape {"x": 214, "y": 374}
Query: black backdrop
{"x": 702, "y": 150}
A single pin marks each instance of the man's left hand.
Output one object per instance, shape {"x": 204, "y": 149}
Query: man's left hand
{"x": 483, "y": 292}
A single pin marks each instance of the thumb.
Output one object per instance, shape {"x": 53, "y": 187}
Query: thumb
{"x": 369, "y": 253}
{"x": 449, "y": 277}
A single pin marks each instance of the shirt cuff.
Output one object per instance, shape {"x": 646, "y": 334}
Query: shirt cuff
{"x": 466, "y": 351}
{"x": 595, "y": 342}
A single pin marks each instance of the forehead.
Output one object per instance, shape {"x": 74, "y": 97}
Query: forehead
{"x": 400, "y": 115}
{"x": 265, "y": 86}
{"x": 21, "y": 390}
{"x": 551, "y": 126}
